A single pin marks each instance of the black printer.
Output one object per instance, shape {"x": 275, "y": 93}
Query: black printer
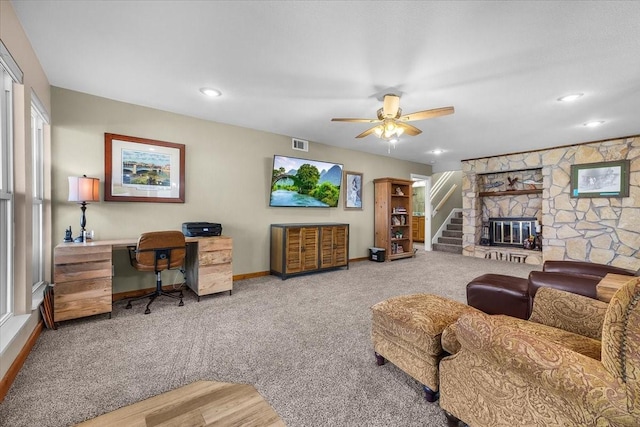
{"x": 200, "y": 229}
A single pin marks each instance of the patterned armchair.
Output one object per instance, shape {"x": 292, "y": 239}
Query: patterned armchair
{"x": 506, "y": 375}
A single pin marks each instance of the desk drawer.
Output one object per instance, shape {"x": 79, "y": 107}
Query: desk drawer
{"x": 86, "y": 270}
{"x": 214, "y": 244}
{"x": 81, "y": 298}
{"x": 212, "y": 258}
{"x": 213, "y": 279}
{"x": 81, "y": 254}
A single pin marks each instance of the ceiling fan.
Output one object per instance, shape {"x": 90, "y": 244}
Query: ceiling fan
{"x": 393, "y": 123}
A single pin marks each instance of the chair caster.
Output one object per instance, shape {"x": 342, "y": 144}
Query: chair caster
{"x": 147, "y": 311}
{"x": 128, "y": 306}
{"x": 181, "y": 304}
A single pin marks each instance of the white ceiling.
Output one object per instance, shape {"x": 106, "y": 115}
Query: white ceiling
{"x": 288, "y": 67}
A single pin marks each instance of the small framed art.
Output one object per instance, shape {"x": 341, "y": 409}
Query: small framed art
{"x": 352, "y": 190}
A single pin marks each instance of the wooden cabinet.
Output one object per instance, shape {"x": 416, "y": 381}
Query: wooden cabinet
{"x": 82, "y": 277}
{"x": 306, "y": 248}
{"x": 393, "y": 223}
{"x": 417, "y": 227}
{"x": 208, "y": 265}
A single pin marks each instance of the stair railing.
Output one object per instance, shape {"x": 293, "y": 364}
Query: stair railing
{"x": 440, "y": 183}
{"x": 444, "y": 200}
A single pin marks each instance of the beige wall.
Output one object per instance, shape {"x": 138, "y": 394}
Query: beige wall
{"x": 35, "y": 81}
{"x": 228, "y": 172}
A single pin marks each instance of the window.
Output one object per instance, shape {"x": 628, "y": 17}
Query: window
{"x": 6, "y": 196}
{"x": 37, "y": 140}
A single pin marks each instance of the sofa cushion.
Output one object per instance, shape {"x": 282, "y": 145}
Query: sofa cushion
{"x": 570, "y": 312}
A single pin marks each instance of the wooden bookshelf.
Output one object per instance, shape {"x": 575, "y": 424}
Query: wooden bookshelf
{"x": 393, "y": 217}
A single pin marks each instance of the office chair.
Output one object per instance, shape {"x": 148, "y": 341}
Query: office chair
{"x": 157, "y": 251}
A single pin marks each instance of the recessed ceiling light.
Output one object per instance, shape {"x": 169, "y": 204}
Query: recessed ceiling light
{"x": 210, "y": 92}
{"x": 437, "y": 151}
{"x": 570, "y": 97}
{"x": 594, "y": 123}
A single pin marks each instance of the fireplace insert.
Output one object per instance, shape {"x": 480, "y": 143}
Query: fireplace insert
{"x": 511, "y": 231}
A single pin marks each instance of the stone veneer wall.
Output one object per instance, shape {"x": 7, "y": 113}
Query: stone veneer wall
{"x": 600, "y": 230}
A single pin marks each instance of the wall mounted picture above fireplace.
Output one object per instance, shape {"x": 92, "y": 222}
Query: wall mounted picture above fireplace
{"x": 305, "y": 183}
{"x": 603, "y": 179}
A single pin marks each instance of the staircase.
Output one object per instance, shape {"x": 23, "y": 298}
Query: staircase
{"x": 451, "y": 240}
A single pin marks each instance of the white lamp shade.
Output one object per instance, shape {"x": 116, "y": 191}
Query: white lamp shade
{"x": 83, "y": 189}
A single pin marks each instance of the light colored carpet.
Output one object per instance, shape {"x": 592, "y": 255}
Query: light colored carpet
{"x": 304, "y": 343}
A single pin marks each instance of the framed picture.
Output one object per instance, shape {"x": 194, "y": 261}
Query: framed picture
{"x": 143, "y": 170}
{"x": 604, "y": 179}
{"x": 352, "y": 190}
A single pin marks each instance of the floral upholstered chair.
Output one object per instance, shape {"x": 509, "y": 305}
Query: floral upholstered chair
{"x": 506, "y": 375}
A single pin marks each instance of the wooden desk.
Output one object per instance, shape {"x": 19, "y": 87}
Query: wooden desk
{"x": 610, "y": 284}
{"x": 82, "y": 273}
{"x": 203, "y": 403}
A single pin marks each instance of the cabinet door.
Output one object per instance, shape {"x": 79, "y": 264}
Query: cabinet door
{"x": 415, "y": 228}
{"x": 301, "y": 249}
{"x": 334, "y": 245}
{"x": 310, "y": 248}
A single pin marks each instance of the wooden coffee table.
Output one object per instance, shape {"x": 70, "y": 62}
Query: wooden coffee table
{"x": 199, "y": 404}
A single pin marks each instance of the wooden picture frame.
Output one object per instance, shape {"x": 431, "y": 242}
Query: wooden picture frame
{"x": 602, "y": 179}
{"x": 353, "y": 190}
{"x": 143, "y": 170}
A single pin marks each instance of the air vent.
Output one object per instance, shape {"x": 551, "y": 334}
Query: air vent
{"x": 299, "y": 144}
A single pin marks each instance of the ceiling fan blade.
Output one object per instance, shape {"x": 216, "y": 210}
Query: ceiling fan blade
{"x": 390, "y": 106}
{"x": 427, "y": 114}
{"x": 409, "y": 129}
{"x": 367, "y": 132}
{"x": 356, "y": 120}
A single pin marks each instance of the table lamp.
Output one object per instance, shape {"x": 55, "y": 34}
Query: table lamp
{"x": 83, "y": 190}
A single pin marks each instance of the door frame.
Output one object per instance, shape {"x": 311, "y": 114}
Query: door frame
{"x": 427, "y": 208}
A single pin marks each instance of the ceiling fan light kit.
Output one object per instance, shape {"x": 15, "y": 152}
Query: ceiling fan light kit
{"x": 393, "y": 123}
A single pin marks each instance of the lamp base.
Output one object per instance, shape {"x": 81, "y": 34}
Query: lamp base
{"x": 79, "y": 239}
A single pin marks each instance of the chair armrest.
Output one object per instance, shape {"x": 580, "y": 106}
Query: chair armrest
{"x": 562, "y": 373}
{"x": 448, "y": 339}
{"x": 575, "y": 283}
{"x": 570, "y": 312}
{"x": 583, "y": 267}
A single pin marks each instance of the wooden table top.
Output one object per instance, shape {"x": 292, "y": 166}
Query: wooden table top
{"x": 199, "y": 404}
{"x": 610, "y": 284}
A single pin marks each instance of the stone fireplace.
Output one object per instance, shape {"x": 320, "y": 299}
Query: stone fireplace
{"x": 599, "y": 229}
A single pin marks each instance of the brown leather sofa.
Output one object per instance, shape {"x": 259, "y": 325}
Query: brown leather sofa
{"x": 577, "y": 277}
{"x": 513, "y": 296}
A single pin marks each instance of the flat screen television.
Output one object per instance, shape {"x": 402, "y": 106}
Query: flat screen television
{"x": 305, "y": 183}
